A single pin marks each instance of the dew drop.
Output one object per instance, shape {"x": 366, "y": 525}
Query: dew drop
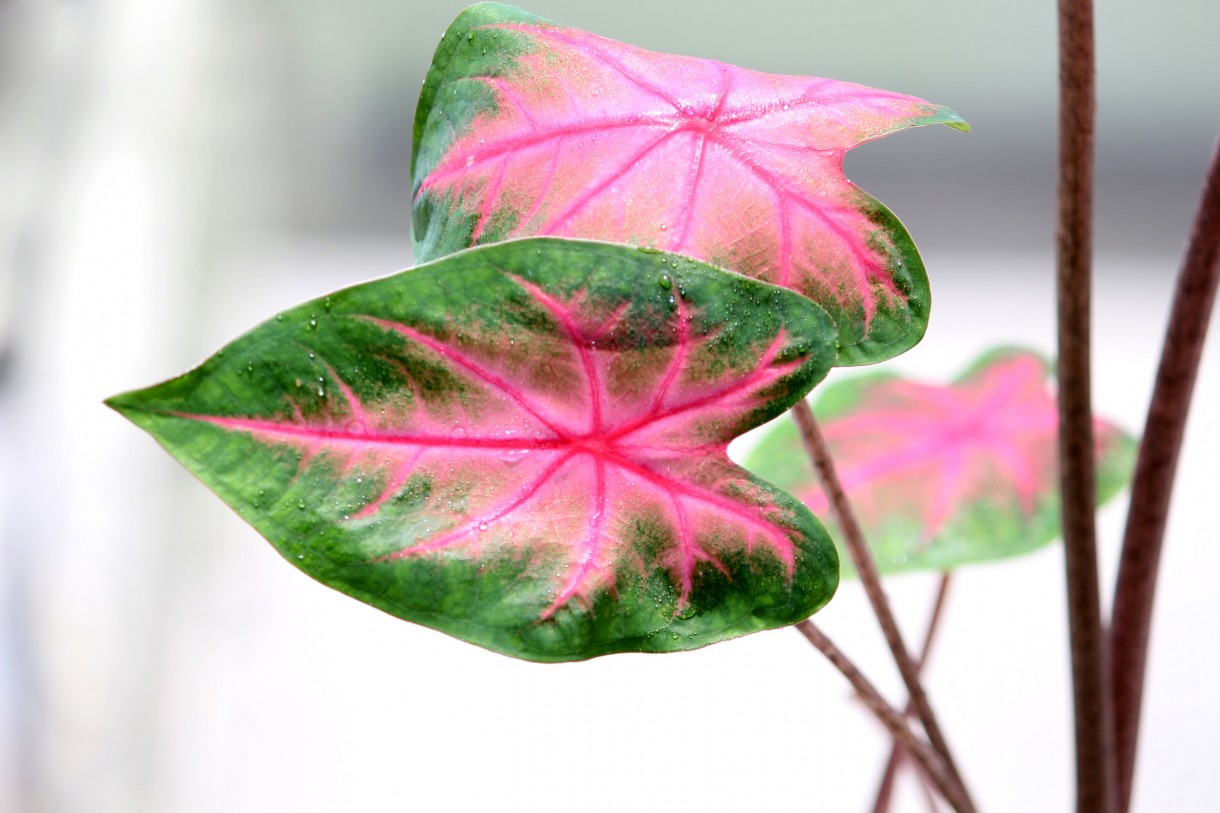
{"x": 301, "y": 504}
{"x": 279, "y": 317}
{"x": 482, "y": 527}
{"x": 673, "y": 303}
{"x": 664, "y": 281}
{"x": 664, "y": 227}
{"x": 785, "y": 105}
{"x": 300, "y": 556}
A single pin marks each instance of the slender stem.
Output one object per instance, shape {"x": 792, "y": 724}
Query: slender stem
{"x": 930, "y": 761}
{"x": 886, "y": 789}
{"x": 862, "y": 559}
{"x": 1095, "y": 775}
{"x": 1154, "y": 473}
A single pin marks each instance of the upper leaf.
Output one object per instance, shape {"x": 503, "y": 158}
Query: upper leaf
{"x": 525, "y": 128}
{"x": 522, "y": 445}
{"x": 944, "y": 476}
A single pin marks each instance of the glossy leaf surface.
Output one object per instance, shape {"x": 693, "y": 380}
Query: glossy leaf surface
{"x": 525, "y": 128}
{"x": 522, "y": 445}
{"x": 944, "y": 476}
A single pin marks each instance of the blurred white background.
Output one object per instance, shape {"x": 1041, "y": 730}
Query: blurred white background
{"x": 172, "y": 173}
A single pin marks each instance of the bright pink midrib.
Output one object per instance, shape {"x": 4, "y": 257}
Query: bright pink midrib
{"x": 328, "y": 434}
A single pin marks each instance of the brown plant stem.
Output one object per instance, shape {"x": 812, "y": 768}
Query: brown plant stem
{"x": 886, "y": 789}
{"x": 1095, "y": 774}
{"x": 853, "y": 540}
{"x": 1154, "y": 474}
{"x": 931, "y": 762}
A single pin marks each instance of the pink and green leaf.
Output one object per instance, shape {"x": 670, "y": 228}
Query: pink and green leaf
{"x": 525, "y": 127}
{"x": 944, "y": 476}
{"x": 522, "y": 445}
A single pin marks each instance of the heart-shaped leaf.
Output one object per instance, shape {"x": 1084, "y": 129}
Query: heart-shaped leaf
{"x": 522, "y": 445}
{"x": 525, "y": 128}
{"x": 944, "y": 476}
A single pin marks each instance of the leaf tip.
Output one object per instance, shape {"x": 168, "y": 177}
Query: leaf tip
{"x": 121, "y": 403}
{"x": 951, "y": 119}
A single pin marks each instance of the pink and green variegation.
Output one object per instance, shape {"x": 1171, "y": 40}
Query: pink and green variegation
{"x": 945, "y": 476}
{"x": 525, "y": 127}
{"x": 523, "y": 445}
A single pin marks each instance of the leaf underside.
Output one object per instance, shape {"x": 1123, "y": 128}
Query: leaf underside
{"x": 528, "y": 128}
{"x": 522, "y": 445}
{"x": 944, "y": 476}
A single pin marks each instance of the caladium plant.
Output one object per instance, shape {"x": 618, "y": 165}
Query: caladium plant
{"x": 941, "y": 476}
{"x": 525, "y": 127}
{"x": 523, "y": 445}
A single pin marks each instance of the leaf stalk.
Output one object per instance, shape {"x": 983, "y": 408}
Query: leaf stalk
{"x": 928, "y": 759}
{"x": 1155, "y": 468}
{"x": 853, "y": 537}
{"x": 886, "y": 788}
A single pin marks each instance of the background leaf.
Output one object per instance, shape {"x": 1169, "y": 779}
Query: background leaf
{"x": 522, "y": 445}
{"x": 944, "y": 476}
{"x": 529, "y": 128}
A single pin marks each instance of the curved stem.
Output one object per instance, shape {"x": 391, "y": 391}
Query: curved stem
{"x": 1095, "y": 774}
{"x": 862, "y": 559}
{"x": 886, "y": 789}
{"x": 1154, "y": 473}
{"x": 930, "y": 761}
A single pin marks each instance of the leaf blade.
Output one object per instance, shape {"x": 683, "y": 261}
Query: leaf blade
{"x": 943, "y": 476}
{"x": 522, "y": 445}
{"x": 525, "y": 127}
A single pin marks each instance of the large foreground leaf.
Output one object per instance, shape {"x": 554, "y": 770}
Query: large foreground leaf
{"x": 526, "y": 128}
{"x": 943, "y": 476}
{"x": 522, "y": 445}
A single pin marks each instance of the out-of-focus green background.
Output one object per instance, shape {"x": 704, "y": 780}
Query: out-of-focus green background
{"x": 173, "y": 172}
